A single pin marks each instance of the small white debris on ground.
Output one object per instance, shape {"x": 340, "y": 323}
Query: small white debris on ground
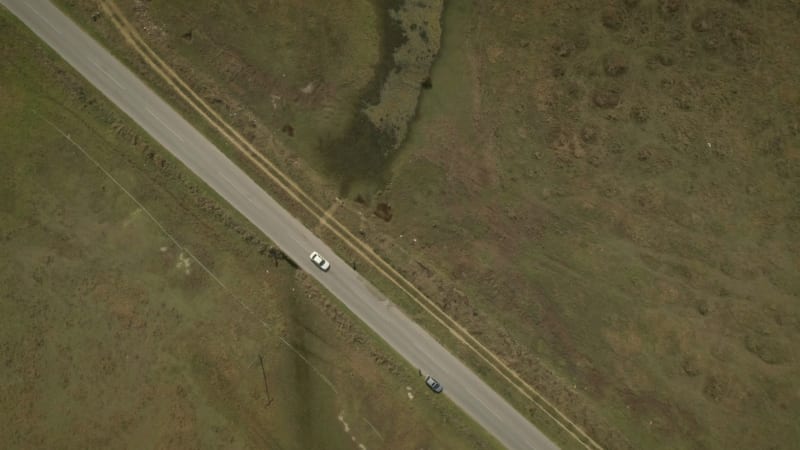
{"x": 410, "y": 395}
{"x": 347, "y": 430}
{"x": 185, "y": 263}
{"x": 308, "y": 89}
{"x": 341, "y": 419}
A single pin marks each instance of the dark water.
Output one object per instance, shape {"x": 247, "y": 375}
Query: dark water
{"x": 363, "y": 155}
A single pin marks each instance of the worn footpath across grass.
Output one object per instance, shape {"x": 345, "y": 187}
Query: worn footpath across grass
{"x": 115, "y": 335}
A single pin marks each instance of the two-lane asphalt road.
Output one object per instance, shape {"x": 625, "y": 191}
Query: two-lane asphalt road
{"x": 176, "y": 135}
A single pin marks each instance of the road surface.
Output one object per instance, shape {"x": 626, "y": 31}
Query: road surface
{"x": 179, "y": 137}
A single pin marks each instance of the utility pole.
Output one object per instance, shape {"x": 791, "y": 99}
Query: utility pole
{"x": 264, "y": 374}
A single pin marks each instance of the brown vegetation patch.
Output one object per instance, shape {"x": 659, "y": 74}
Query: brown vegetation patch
{"x": 384, "y": 211}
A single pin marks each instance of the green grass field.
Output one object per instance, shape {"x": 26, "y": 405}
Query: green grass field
{"x": 115, "y": 336}
{"x": 337, "y": 81}
{"x": 605, "y": 193}
{"x": 644, "y": 252}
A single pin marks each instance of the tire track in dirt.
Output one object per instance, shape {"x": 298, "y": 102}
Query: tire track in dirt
{"x": 362, "y": 249}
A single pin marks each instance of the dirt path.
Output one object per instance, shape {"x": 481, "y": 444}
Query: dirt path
{"x": 330, "y": 223}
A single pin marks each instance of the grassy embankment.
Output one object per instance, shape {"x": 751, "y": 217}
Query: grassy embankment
{"x": 606, "y": 195}
{"x": 113, "y": 335}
